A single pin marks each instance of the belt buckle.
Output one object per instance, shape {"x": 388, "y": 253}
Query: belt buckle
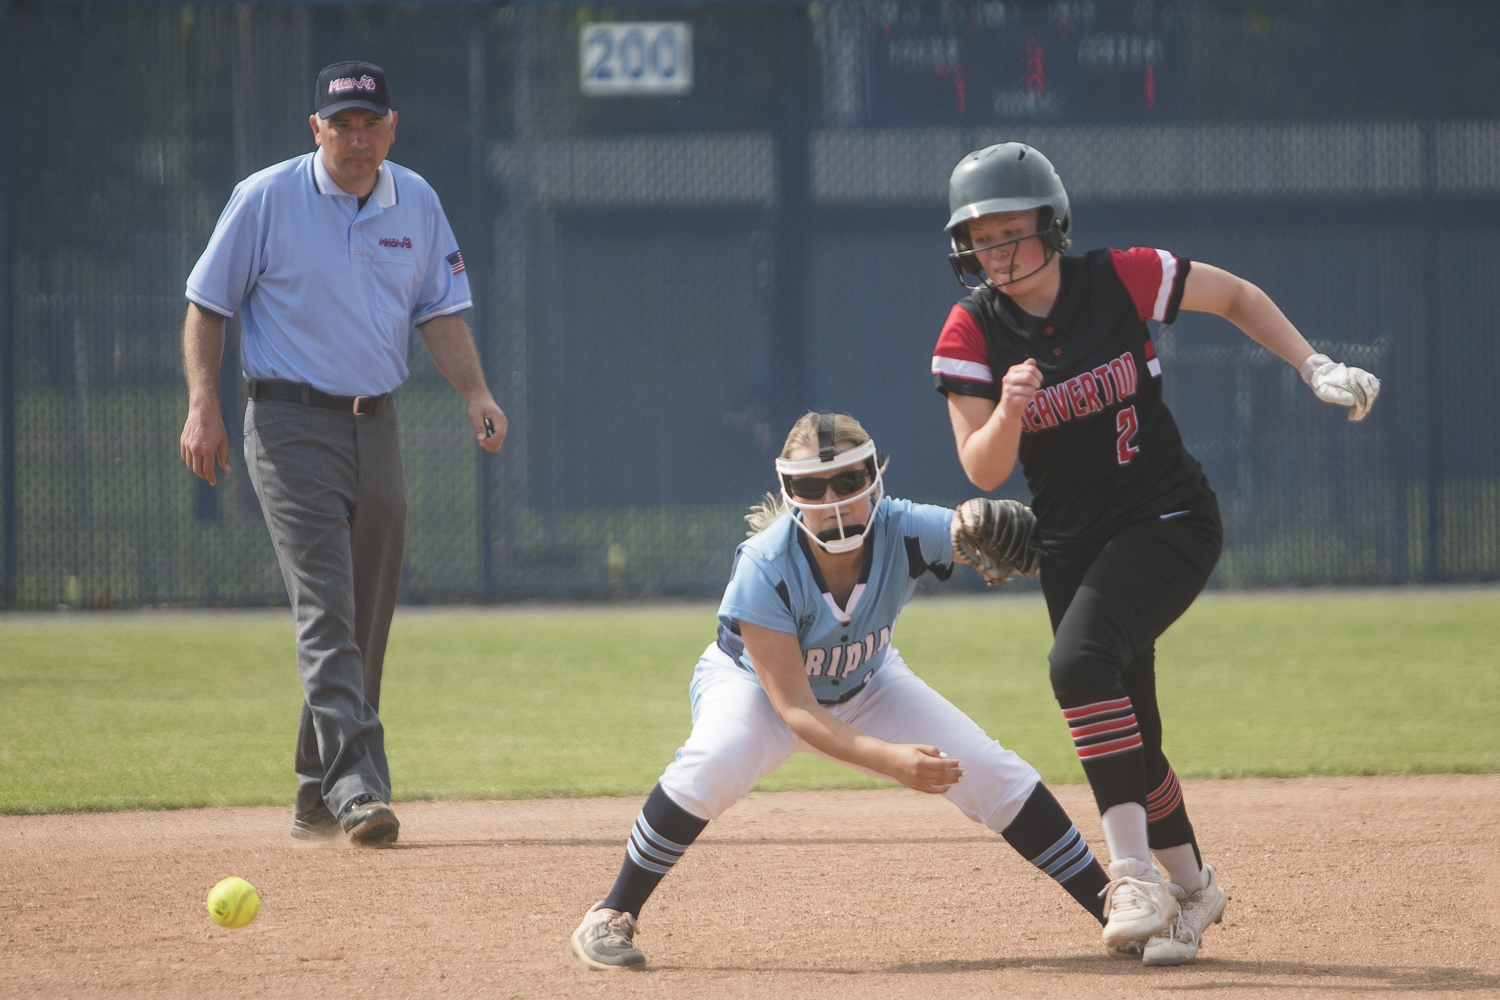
{"x": 358, "y": 400}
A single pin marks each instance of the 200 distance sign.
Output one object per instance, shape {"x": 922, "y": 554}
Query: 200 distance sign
{"x": 634, "y": 58}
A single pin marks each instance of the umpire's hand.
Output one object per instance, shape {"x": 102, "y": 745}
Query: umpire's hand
{"x": 204, "y": 439}
{"x": 489, "y": 423}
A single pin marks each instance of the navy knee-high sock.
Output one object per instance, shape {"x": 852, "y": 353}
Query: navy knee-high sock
{"x": 1044, "y": 835}
{"x": 662, "y": 832}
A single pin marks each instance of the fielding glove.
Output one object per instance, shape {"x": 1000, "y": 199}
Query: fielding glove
{"x": 996, "y": 537}
{"x": 1337, "y": 383}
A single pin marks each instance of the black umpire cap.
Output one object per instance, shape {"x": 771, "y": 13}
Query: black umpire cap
{"x": 351, "y": 85}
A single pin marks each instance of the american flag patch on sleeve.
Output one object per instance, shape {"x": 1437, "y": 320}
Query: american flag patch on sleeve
{"x": 456, "y": 260}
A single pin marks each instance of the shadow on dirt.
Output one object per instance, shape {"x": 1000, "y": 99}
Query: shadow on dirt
{"x": 1221, "y": 975}
{"x": 755, "y": 842}
{"x": 1250, "y": 975}
{"x": 550, "y": 842}
{"x": 1373, "y": 978}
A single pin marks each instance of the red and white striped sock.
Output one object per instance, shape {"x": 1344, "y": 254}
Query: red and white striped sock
{"x": 1103, "y": 729}
{"x": 1172, "y": 835}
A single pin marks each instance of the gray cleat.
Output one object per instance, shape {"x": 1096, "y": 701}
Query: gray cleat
{"x": 605, "y": 940}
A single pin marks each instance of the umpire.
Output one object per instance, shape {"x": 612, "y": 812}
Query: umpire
{"x": 329, "y": 257}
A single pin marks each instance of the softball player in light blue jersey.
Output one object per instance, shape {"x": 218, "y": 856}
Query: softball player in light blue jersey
{"x": 804, "y": 662}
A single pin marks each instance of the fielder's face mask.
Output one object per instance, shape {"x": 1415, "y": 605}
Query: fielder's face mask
{"x": 829, "y": 465}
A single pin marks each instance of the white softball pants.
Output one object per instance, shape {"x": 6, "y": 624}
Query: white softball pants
{"x": 738, "y": 738}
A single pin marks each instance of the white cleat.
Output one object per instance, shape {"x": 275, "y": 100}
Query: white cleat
{"x": 1179, "y": 943}
{"x": 606, "y": 940}
{"x": 1129, "y": 950}
{"x": 1140, "y": 903}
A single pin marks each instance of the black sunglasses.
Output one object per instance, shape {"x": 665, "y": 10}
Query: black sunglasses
{"x": 844, "y": 484}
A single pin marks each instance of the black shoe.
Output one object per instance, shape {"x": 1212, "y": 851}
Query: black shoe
{"x": 315, "y": 826}
{"x": 369, "y": 821}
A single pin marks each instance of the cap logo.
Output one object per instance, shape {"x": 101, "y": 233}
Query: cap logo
{"x": 346, "y": 83}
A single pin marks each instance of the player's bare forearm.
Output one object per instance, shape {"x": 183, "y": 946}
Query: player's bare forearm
{"x": 917, "y": 766}
{"x": 451, "y": 348}
{"x": 822, "y": 730}
{"x": 205, "y": 442}
{"x": 988, "y": 439}
{"x": 989, "y": 456}
{"x": 1214, "y": 290}
{"x": 1263, "y": 322}
{"x": 778, "y": 664}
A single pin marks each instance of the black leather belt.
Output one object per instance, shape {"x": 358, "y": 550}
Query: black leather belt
{"x": 299, "y": 392}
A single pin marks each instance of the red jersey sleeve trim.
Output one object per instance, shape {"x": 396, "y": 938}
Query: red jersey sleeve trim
{"x": 961, "y": 352}
{"x": 1154, "y": 279}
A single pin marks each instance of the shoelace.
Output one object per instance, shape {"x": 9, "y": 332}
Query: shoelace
{"x": 1137, "y": 887}
{"x": 620, "y": 931}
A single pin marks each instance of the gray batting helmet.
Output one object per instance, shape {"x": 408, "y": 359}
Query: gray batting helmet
{"x": 1007, "y": 177}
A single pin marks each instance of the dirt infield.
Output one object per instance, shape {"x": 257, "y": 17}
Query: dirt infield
{"x": 1339, "y": 887}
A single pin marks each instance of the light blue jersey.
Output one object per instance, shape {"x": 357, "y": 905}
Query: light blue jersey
{"x": 775, "y": 583}
{"x": 327, "y": 289}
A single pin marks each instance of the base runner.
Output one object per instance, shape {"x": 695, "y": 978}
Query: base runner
{"x": 1049, "y": 360}
{"x": 804, "y": 662}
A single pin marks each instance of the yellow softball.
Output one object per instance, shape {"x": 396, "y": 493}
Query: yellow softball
{"x": 233, "y": 902}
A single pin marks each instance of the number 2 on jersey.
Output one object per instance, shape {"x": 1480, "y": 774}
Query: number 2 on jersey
{"x": 1127, "y": 425}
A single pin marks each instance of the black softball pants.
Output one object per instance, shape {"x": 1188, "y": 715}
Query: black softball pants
{"x": 1109, "y": 601}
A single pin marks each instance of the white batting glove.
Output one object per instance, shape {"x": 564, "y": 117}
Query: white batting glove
{"x": 1337, "y": 383}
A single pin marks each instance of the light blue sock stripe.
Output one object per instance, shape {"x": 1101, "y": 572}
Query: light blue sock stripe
{"x": 640, "y": 859}
{"x": 660, "y": 841}
{"x": 642, "y": 833}
{"x": 1088, "y": 859}
{"x": 1067, "y": 860}
{"x": 1045, "y": 858}
{"x": 646, "y": 849}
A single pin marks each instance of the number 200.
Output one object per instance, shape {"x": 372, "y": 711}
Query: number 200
{"x": 650, "y": 57}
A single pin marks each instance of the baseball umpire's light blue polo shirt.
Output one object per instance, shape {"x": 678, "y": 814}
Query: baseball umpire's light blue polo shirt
{"x": 327, "y": 289}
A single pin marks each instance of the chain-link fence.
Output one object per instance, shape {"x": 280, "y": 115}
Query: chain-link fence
{"x": 686, "y": 224}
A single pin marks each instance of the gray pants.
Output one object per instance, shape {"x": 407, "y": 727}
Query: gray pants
{"x": 333, "y": 490}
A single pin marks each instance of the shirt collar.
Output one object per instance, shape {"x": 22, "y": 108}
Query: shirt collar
{"x": 385, "y": 185}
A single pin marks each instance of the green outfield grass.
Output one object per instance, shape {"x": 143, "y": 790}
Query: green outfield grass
{"x": 126, "y": 710}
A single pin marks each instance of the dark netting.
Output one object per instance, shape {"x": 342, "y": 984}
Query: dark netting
{"x": 663, "y": 283}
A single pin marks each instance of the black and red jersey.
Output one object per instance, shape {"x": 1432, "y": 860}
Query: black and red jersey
{"x": 1098, "y": 446}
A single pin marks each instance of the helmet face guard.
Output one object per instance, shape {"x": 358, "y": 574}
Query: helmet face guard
{"x": 847, "y": 537}
{"x": 1008, "y": 177}
{"x": 963, "y": 256}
